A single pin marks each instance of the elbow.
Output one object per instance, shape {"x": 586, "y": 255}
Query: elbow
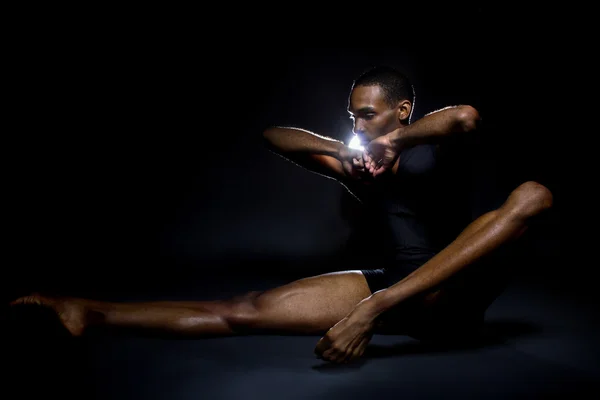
{"x": 467, "y": 118}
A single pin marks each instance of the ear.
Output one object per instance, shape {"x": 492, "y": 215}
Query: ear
{"x": 403, "y": 110}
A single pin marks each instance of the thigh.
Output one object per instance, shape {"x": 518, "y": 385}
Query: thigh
{"x": 308, "y": 305}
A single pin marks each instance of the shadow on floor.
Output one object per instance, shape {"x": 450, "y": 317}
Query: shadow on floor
{"x": 493, "y": 334}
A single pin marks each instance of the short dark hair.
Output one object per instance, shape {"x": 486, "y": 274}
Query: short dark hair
{"x": 395, "y": 84}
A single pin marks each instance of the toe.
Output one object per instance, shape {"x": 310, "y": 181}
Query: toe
{"x": 31, "y": 299}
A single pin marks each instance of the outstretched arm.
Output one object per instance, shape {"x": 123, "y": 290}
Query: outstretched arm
{"x": 319, "y": 154}
{"x": 435, "y": 127}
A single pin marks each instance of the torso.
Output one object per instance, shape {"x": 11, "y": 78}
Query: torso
{"x": 417, "y": 202}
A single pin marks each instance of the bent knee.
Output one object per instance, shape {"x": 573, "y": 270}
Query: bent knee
{"x": 529, "y": 199}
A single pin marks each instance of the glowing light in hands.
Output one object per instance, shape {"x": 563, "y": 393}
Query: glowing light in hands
{"x": 355, "y": 143}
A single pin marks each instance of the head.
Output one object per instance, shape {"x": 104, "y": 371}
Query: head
{"x": 381, "y": 100}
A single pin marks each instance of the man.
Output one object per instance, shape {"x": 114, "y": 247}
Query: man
{"x": 433, "y": 288}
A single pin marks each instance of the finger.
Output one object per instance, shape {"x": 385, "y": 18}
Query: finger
{"x": 360, "y": 349}
{"x": 322, "y": 346}
{"x": 374, "y": 162}
{"x": 335, "y": 354}
{"x": 378, "y": 171}
{"x": 350, "y": 349}
{"x": 329, "y": 354}
{"x": 339, "y": 356}
{"x": 361, "y": 162}
{"x": 367, "y": 160}
{"x": 346, "y": 354}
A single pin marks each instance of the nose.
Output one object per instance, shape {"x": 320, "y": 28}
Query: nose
{"x": 358, "y": 128}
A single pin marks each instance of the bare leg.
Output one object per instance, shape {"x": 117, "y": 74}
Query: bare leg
{"x": 465, "y": 296}
{"x": 309, "y": 305}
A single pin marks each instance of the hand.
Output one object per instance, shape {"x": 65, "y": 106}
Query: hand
{"x": 348, "y": 339}
{"x": 353, "y": 163}
{"x": 380, "y": 155}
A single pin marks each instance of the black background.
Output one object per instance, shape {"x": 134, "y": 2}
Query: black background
{"x": 140, "y": 159}
{"x": 137, "y": 168}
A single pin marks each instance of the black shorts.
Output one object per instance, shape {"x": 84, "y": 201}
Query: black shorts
{"x": 382, "y": 278}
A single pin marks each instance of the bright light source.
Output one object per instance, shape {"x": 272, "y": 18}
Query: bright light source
{"x": 355, "y": 143}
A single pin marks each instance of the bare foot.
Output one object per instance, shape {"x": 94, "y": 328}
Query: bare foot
{"x": 72, "y": 314}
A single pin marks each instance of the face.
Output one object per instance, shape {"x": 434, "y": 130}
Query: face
{"x": 372, "y": 116}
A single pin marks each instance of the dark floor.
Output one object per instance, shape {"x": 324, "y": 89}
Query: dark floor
{"x": 542, "y": 343}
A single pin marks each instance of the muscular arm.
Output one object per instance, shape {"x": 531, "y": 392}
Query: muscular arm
{"x": 480, "y": 238}
{"x": 314, "y": 152}
{"x": 437, "y": 126}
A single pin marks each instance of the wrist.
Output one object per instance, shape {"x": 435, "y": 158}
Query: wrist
{"x": 385, "y": 299}
{"x": 397, "y": 139}
{"x": 338, "y": 150}
{"x": 375, "y": 304}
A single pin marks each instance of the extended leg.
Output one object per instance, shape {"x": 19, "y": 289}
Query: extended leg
{"x": 309, "y": 305}
{"x": 312, "y": 305}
